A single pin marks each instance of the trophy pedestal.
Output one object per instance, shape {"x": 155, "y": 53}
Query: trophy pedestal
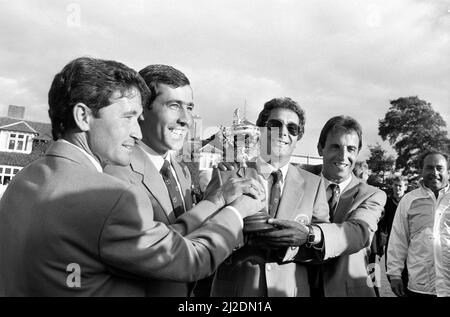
{"x": 258, "y": 223}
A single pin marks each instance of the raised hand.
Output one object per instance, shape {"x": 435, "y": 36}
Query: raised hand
{"x": 233, "y": 188}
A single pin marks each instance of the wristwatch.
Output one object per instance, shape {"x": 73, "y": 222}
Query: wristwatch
{"x": 314, "y": 235}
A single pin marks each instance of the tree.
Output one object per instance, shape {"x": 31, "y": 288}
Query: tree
{"x": 412, "y": 126}
{"x": 380, "y": 164}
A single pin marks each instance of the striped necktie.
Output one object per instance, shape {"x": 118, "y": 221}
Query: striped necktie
{"x": 275, "y": 192}
{"x": 172, "y": 187}
{"x": 333, "y": 201}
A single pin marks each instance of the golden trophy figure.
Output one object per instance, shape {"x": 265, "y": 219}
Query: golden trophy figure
{"x": 244, "y": 136}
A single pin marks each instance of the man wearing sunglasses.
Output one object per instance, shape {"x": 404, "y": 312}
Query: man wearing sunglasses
{"x": 273, "y": 267}
{"x": 167, "y": 117}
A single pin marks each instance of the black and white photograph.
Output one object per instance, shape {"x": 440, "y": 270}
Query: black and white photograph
{"x": 205, "y": 149}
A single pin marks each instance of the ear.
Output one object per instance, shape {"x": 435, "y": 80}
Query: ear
{"x": 319, "y": 149}
{"x": 82, "y": 115}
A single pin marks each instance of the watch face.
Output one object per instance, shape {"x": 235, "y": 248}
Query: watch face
{"x": 311, "y": 235}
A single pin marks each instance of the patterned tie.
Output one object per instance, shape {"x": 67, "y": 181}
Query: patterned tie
{"x": 172, "y": 187}
{"x": 332, "y": 202}
{"x": 275, "y": 192}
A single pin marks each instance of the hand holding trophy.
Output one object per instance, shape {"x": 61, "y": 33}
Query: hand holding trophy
{"x": 245, "y": 139}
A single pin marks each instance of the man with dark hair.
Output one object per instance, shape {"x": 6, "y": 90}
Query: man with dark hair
{"x": 420, "y": 233}
{"x": 154, "y": 167}
{"x": 399, "y": 186}
{"x": 80, "y": 232}
{"x": 355, "y": 209}
{"x": 272, "y": 265}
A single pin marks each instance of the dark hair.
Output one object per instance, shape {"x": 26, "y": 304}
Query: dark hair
{"x": 90, "y": 81}
{"x": 283, "y": 103}
{"x": 399, "y": 178}
{"x": 431, "y": 152}
{"x": 162, "y": 74}
{"x": 344, "y": 123}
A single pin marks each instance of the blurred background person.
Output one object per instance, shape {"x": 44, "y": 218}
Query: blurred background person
{"x": 421, "y": 235}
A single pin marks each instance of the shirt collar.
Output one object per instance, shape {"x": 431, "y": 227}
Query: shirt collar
{"x": 265, "y": 169}
{"x": 96, "y": 164}
{"x": 342, "y": 185}
{"x": 443, "y": 191}
{"x": 158, "y": 159}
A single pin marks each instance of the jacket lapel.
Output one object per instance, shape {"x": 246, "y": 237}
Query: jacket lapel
{"x": 152, "y": 180}
{"x": 292, "y": 194}
{"x": 346, "y": 201}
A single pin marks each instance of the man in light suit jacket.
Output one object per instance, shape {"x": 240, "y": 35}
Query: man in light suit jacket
{"x": 166, "y": 121}
{"x": 355, "y": 209}
{"x": 68, "y": 229}
{"x": 258, "y": 269}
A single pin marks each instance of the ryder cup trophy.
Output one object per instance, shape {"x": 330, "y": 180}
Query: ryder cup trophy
{"x": 245, "y": 137}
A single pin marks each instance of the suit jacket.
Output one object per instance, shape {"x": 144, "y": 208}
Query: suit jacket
{"x": 142, "y": 173}
{"x": 347, "y": 240}
{"x": 60, "y": 216}
{"x": 303, "y": 197}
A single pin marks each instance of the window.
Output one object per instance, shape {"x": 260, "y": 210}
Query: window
{"x": 18, "y": 142}
{"x": 7, "y": 173}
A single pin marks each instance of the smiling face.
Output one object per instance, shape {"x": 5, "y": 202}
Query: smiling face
{"x": 398, "y": 189}
{"x": 114, "y": 130}
{"x": 435, "y": 172}
{"x": 281, "y": 142}
{"x": 340, "y": 153}
{"x": 167, "y": 121}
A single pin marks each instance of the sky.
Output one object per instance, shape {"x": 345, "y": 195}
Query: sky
{"x": 331, "y": 56}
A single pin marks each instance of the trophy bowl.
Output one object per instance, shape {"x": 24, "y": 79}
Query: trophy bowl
{"x": 258, "y": 223}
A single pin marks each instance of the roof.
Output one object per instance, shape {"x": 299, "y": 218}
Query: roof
{"x": 246, "y": 122}
{"x": 210, "y": 148}
{"x": 43, "y": 130}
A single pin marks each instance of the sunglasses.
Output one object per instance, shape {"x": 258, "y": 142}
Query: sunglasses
{"x": 293, "y": 129}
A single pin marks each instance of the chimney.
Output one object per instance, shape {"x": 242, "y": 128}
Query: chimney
{"x": 16, "y": 112}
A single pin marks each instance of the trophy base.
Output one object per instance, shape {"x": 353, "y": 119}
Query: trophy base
{"x": 257, "y": 223}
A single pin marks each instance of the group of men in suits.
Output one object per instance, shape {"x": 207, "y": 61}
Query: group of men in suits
{"x": 69, "y": 229}
{"x": 136, "y": 231}
{"x": 324, "y": 247}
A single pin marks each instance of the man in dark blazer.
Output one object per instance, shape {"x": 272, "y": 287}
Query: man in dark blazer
{"x": 355, "y": 209}
{"x": 68, "y": 229}
{"x": 258, "y": 269}
{"x": 166, "y": 121}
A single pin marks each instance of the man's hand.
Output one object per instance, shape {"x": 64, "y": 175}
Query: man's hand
{"x": 225, "y": 194}
{"x": 248, "y": 206}
{"x": 226, "y": 166}
{"x": 397, "y": 286}
{"x": 290, "y": 234}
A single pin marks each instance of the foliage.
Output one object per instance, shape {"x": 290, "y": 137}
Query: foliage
{"x": 412, "y": 127}
{"x": 380, "y": 165}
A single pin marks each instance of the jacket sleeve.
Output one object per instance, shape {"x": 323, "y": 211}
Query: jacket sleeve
{"x": 193, "y": 218}
{"x": 132, "y": 242}
{"x": 357, "y": 231}
{"x": 185, "y": 224}
{"x": 320, "y": 214}
{"x": 397, "y": 250}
